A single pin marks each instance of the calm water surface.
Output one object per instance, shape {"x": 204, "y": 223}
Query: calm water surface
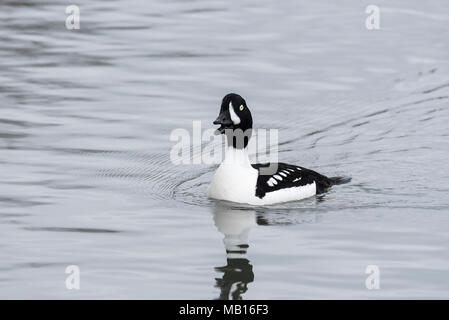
{"x": 85, "y": 120}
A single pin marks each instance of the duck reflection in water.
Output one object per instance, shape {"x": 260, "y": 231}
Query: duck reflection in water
{"x": 235, "y": 225}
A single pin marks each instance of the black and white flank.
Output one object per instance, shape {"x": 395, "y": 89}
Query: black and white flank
{"x": 237, "y": 180}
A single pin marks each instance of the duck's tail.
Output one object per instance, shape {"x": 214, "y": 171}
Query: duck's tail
{"x": 339, "y": 180}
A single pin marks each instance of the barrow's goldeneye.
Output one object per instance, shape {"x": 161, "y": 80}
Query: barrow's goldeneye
{"x": 237, "y": 180}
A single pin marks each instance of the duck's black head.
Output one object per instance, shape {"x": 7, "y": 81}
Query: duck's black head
{"x": 234, "y": 119}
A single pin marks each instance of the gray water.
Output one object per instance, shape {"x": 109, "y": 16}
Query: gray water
{"x": 86, "y": 178}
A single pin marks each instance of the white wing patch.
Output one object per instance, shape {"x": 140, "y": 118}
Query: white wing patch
{"x": 279, "y": 176}
{"x": 234, "y": 117}
{"x": 272, "y": 182}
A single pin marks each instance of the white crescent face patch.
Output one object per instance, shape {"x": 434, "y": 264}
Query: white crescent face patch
{"x": 234, "y": 117}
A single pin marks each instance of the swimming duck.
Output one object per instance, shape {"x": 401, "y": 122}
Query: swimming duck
{"x": 237, "y": 180}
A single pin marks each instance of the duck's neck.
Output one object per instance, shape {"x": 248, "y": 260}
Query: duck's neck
{"x": 236, "y": 156}
{"x": 238, "y": 138}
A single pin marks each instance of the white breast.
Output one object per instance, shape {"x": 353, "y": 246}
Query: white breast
{"x": 235, "y": 179}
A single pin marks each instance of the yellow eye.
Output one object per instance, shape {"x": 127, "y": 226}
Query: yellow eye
{"x": 241, "y": 107}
